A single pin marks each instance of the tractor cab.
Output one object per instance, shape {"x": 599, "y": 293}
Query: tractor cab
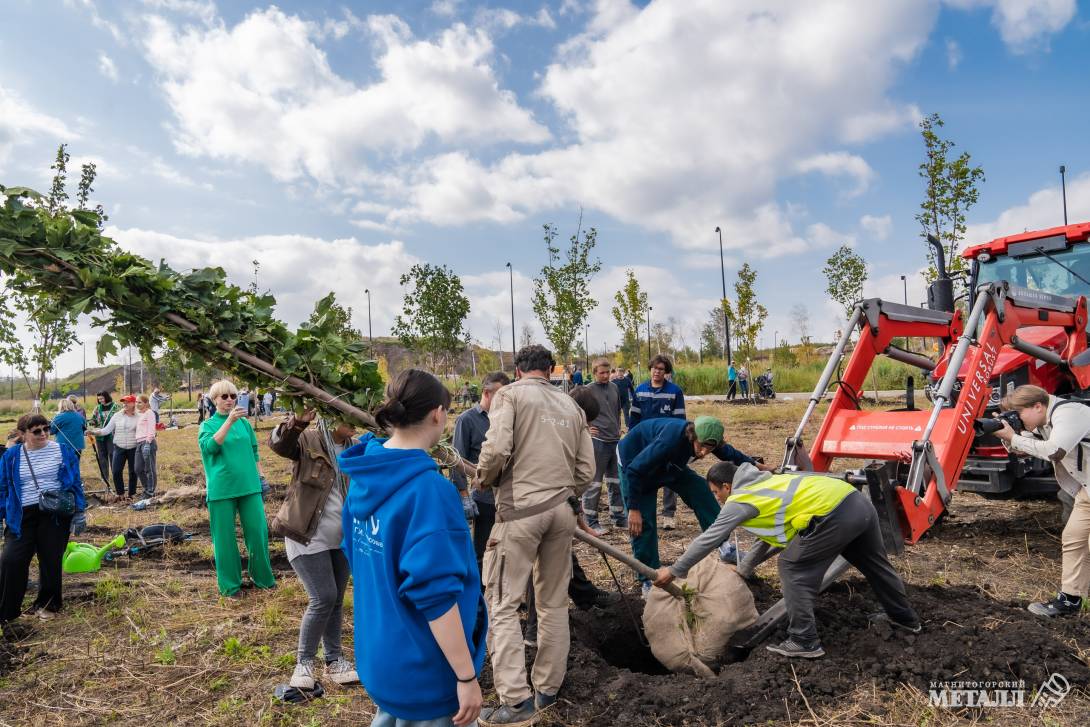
{"x": 1054, "y": 261}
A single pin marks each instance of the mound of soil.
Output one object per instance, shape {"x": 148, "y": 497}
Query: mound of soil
{"x": 613, "y": 678}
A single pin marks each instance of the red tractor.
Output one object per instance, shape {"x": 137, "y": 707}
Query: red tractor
{"x": 1026, "y": 324}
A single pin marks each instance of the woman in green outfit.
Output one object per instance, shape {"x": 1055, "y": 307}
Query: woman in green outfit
{"x": 229, "y": 454}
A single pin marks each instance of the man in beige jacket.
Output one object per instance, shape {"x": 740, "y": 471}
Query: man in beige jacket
{"x": 538, "y": 455}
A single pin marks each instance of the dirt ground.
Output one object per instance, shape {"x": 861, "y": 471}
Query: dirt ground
{"x": 149, "y": 638}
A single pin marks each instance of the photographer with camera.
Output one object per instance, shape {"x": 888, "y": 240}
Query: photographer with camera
{"x": 1062, "y": 429}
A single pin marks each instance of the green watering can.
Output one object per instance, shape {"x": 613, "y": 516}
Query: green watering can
{"x": 86, "y": 558}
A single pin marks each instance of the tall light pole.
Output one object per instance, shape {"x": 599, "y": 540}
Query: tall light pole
{"x": 1063, "y": 187}
{"x": 370, "y": 338}
{"x": 586, "y": 346}
{"x": 511, "y": 281}
{"x": 85, "y": 375}
{"x": 904, "y": 281}
{"x": 649, "y": 309}
{"x": 723, "y": 279}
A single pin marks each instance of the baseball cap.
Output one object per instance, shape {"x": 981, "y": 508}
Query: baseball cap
{"x": 708, "y": 429}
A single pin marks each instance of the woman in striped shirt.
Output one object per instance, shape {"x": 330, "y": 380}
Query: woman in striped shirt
{"x": 27, "y": 469}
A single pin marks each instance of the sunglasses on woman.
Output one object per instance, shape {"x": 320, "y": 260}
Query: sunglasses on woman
{"x": 225, "y": 397}
{"x": 38, "y": 431}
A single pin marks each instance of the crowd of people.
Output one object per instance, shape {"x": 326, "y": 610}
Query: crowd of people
{"x": 439, "y": 568}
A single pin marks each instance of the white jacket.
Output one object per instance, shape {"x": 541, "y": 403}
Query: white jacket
{"x": 1061, "y": 439}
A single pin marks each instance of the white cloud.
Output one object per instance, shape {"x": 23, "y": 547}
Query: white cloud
{"x": 298, "y": 269}
{"x": 263, "y": 91}
{"x": 673, "y": 126}
{"x": 506, "y": 19}
{"x": 953, "y": 54}
{"x": 445, "y": 8}
{"x": 1025, "y": 25}
{"x": 1042, "y": 210}
{"x": 203, "y": 10}
{"x": 19, "y": 121}
{"x": 879, "y": 228}
{"x": 837, "y": 164}
{"x": 107, "y": 67}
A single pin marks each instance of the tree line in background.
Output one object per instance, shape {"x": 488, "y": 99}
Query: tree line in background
{"x": 435, "y": 308}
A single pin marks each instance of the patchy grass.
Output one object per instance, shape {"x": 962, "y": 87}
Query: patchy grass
{"x": 149, "y": 638}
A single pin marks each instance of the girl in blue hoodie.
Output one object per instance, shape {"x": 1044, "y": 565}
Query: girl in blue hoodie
{"x": 419, "y": 616}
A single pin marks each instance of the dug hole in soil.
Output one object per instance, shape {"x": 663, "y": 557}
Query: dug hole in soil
{"x": 614, "y": 679}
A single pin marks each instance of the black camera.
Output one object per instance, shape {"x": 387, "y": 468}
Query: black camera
{"x": 991, "y": 425}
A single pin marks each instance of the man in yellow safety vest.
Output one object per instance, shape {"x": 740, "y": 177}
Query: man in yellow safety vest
{"x": 813, "y": 519}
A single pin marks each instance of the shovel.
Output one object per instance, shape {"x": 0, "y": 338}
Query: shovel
{"x": 643, "y": 570}
{"x": 746, "y": 640}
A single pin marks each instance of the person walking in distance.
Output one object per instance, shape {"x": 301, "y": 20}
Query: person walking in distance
{"x": 469, "y": 433}
{"x": 605, "y": 431}
{"x": 732, "y": 381}
{"x": 538, "y": 455}
{"x": 655, "y": 398}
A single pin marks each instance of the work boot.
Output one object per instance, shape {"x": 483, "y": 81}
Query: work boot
{"x": 794, "y": 649}
{"x": 883, "y": 618}
{"x": 341, "y": 671}
{"x": 303, "y": 676}
{"x": 599, "y": 530}
{"x": 669, "y": 523}
{"x": 1062, "y": 605}
{"x": 543, "y": 701}
{"x": 515, "y": 716}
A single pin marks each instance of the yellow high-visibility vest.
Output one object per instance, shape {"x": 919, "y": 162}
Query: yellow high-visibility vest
{"x": 786, "y": 504}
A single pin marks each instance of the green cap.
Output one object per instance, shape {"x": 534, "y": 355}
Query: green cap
{"x": 708, "y": 429}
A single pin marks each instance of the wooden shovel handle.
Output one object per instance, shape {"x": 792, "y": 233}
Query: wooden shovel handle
{"x": 643, "y": 570}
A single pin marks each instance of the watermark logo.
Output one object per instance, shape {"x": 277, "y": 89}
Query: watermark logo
{"x": 1052, "y": 692}
{"x": 970, "y": 693}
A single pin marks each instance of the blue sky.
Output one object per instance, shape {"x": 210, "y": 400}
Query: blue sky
{"x": 340, "y": 142}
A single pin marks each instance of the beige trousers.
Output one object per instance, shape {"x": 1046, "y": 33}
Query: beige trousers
{"x": 1076, "y": 547}
{"x": 541, "y": 544}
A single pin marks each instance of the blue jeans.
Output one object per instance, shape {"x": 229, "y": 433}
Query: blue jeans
{"x": 385, "y": 719}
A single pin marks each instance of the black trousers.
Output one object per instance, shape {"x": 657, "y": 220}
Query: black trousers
{"x": 850, "y": 530}
{"x": 105, "y": 454}
{"x": 43, "y": 535}
{"x": 482, "y": 528}
{"x": 120, "y": 457}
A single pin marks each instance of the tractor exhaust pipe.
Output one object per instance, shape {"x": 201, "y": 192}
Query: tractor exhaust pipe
{"x": 940, "y": 294}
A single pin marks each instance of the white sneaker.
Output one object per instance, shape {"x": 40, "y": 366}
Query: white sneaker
{"x": 45, "y": 615}
{"x": 646, "y": 587}
{"x": 303, "y": 676}
{"x": 341, "y": 671}
{"x": 669, "y": 523}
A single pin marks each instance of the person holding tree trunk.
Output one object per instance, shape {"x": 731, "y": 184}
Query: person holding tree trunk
{"x": 105, "y": 408}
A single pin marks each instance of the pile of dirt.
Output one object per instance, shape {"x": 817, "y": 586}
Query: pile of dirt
{"x": 614, "y": 679}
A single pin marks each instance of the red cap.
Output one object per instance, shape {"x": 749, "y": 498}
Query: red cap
{"x": 129, "y": 399}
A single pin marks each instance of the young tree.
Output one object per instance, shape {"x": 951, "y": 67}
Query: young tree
{"x": 526, "y": 335}
{"x": 747, "y": 316}
{"x": 630, "y": 304}
{"x": 432, "y": 321}
{"x": 800, "y": 321}
{"x": 561, "y": 298}
{"x": 846, "y": 272}
{"x": 951, "y": 188}
{"x": 340, "y": 317}
{"x": 52, "y": 328}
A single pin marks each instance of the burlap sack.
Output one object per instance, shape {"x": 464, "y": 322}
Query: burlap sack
{"x": 690, "y": 639}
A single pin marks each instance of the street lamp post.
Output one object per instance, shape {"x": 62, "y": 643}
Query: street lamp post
{"x": 904, "y": 281}
{"x": 586, "y": 346}
{"x": 1063, "y": 187}
{"x": 370, "y": 338}
{"x": 723, "y": 279}
{"x": 85, "y": 375}
{"x": 511, "y": 282}
{"x": 649, "y": 309}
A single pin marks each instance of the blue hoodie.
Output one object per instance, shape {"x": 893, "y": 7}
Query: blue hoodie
{"x": 412, "y": 558}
